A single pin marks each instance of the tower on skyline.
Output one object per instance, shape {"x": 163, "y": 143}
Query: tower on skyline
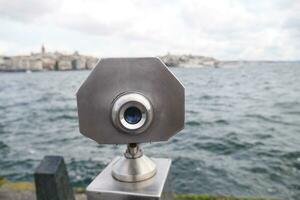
{"x": 43, "y": 50}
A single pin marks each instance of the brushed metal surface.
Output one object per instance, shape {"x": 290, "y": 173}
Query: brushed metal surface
{"x": 133, "y": 170}
{"x": 105, "y": 187}
{"x": 114, "y": 76}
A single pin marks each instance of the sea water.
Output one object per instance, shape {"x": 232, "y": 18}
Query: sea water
{"x": 241, "y": 136}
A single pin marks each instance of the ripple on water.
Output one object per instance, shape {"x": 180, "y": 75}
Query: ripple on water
{"x": 292, "y": 159}
{"x": 222, "y": 121}
{"x": 224, "y": 146}
{"x": 263, "y": 136}
{"x": 199, "y": 123}
{"x": 271, "y": 119}
{"x": 287, "y": 104}
{"x": 3, "y": 148}
{"x": 83, "y": 171}
{"x": 63, "y": 117}
{"x": 193, "y": 123}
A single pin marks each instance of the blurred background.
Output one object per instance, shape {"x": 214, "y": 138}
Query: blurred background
{"x": 226, "y": 29}
{"x": 238, "y": 60}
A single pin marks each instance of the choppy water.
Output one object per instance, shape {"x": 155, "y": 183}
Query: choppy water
{"x": 242, "y": 134}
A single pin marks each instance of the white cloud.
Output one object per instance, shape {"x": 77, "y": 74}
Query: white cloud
{"x": 27, "y": 10}
{"x": 227, "y": 29}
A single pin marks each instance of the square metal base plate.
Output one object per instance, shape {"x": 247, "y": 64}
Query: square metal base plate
{"x": 104, "y": 186}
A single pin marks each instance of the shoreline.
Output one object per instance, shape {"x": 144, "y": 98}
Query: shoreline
{"x": 26, "y": 191}
{"x": 222, "y": 65}
{"x": 59, "y": 61}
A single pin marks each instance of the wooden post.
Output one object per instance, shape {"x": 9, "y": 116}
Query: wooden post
{"x": 52, "y": 180}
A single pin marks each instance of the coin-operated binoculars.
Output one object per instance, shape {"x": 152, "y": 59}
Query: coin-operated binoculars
{"x": 131, "y": 101}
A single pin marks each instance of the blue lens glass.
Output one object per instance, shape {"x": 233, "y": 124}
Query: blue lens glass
{"x": 132, "y": 115}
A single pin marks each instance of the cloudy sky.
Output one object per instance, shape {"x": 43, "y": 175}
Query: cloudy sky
{"x": 224, "y": 29}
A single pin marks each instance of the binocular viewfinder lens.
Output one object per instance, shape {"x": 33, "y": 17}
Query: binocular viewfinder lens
{"x": 132, "y": 115}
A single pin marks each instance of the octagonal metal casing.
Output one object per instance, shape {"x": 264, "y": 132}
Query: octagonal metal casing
{"x": 114, "y": 76}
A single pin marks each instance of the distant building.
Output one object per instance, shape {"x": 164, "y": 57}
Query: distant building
{"x": 65, "y": 62}
{"x": 5, "y": 63}
{"x": 47, "y": 61}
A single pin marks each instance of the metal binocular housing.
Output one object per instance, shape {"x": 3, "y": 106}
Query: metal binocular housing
{"x": 130, "y": 100}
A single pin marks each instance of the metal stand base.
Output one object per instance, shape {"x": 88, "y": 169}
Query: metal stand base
{"x": 133, "y": 170}
{"x": 105, "y": 187}
{"x": 134, "y": 166}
